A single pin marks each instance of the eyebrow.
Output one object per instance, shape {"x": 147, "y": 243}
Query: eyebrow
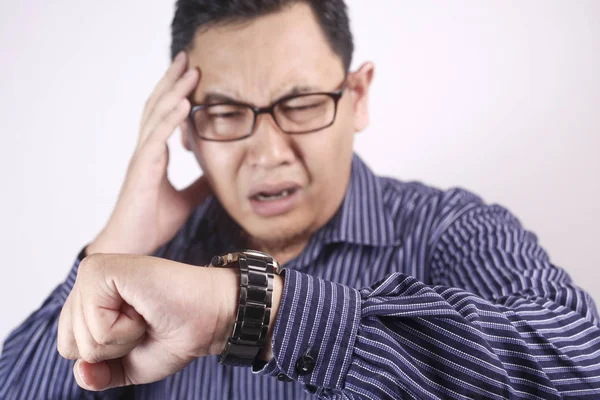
{"x": 216, "y": 97}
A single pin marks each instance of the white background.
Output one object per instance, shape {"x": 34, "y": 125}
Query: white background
{"x": 500, "y": 97}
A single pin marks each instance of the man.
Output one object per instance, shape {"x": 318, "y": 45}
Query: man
{"x": 386, "y": 289}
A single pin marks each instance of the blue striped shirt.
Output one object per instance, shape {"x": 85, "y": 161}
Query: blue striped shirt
{"x": 408, "y": 292}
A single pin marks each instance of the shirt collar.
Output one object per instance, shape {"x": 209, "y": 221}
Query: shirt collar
{"x": 362, "y": 218}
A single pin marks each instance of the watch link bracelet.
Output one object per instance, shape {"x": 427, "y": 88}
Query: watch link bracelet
{"x": 254, "y": 308}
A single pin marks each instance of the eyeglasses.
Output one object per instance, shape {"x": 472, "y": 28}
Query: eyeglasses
{"x": 295, "y": 114}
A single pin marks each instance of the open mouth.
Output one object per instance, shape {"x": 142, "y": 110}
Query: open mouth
{"x": 274, "y": 195}
{"x": 272, "y": 199}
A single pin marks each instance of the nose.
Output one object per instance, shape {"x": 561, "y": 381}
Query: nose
{"x": 270, "y": 147}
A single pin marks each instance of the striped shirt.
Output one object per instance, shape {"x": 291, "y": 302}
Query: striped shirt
{"x": 408, "y": 292}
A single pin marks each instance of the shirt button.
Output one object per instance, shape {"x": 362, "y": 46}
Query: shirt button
{"x": 305, "y": 365}
{"x": 284, "y": 378}
{"x": 312, "y": 389}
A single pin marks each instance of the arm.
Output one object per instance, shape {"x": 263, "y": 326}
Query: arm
{"x": 30, "y": 366}
{"x": 501, "y": 321}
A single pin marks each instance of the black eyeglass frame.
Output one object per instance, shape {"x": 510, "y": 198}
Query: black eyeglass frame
{"x": 336, "y": 96}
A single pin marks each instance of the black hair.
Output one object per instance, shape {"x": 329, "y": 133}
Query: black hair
{"x": 191, "y": 15}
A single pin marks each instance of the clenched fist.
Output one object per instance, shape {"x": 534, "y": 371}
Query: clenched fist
{"x": 137, "y": 319}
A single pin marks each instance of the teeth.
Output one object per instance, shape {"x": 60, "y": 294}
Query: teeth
{"x": 281, "y": 195}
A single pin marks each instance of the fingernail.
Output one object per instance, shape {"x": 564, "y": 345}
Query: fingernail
{"x": 179, "y": 56}
{"x": 189, "y": 73}
{"x": 81, "y": 374}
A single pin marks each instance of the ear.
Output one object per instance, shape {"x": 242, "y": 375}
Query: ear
{"x": 185, "y": 135}
{"x": 359, "y": 83}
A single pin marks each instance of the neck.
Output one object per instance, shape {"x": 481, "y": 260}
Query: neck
{"x": 282, "y": 252}
{"x": 284, "y": 256}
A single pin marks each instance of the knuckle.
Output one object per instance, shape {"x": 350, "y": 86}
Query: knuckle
{"x": 66, "y": 350}
{"x": 90, "y": 354}
{"x": 168, "y": 102}
{"x": 170, "y": 123}
{"x": 103, "y": 337}
{"x": 93, "y": 261}
{"x": 186, "y": 106}
{"x": 181, "y": 109}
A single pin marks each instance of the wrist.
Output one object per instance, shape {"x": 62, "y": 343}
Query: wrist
{"x": 227, "y": 282}
{"x": 104, "y": 245}
{"x": 266, "y": 353}
{"x": 107, "y": 242}
{"x": 98, "y": 246}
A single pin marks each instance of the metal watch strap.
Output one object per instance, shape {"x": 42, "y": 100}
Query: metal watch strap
{"x": 254, "y": 308}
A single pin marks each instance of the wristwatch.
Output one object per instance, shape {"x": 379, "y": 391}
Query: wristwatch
{"x": 257, "y": 272}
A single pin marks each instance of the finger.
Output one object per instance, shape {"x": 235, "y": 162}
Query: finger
{"x": 111, "y": 323}
{"x": 167, "y": 81}
{"x": 197, "y": 192}
{"x": 85, "y": 344}
{"x": 100, "y": 376}
{"x": 157, "y": 139}
{"x": 65, "y": 343}
{"x": 114, "y": 324}
{"x": 169, "y": 101}
{"x": 89, "y": 349}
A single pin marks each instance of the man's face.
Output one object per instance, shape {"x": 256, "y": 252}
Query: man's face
{"x": 280, "y": 188}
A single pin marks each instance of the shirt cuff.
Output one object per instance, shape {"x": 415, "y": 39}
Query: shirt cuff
{"x": 314, "y": 332}
{"x": 63, "y": 290}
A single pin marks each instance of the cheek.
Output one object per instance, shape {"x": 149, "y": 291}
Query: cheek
{"x": 336, "y": 154}
{"x": 220, "y": 165}
{"x": 337, "y": 145}
{"x": 327, "y": 158}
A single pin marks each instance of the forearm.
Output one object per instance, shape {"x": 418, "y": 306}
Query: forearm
{"x": 498, "y": 321}
{"x": 403, "y": 338}
{"x": 521, "y": 345}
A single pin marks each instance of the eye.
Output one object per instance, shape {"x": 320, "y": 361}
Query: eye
{"x": 301, "y": 108}
{"x": 226, "y": 112}
{"x": 302, "y": 104}
{"x": 232, "y": 114}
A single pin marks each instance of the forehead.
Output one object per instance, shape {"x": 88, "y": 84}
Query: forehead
{"x": 257, "y": 60}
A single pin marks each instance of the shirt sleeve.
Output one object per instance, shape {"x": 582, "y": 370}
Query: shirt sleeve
{"x": 498, "y": 321}
{"x": 30, "y": 365}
